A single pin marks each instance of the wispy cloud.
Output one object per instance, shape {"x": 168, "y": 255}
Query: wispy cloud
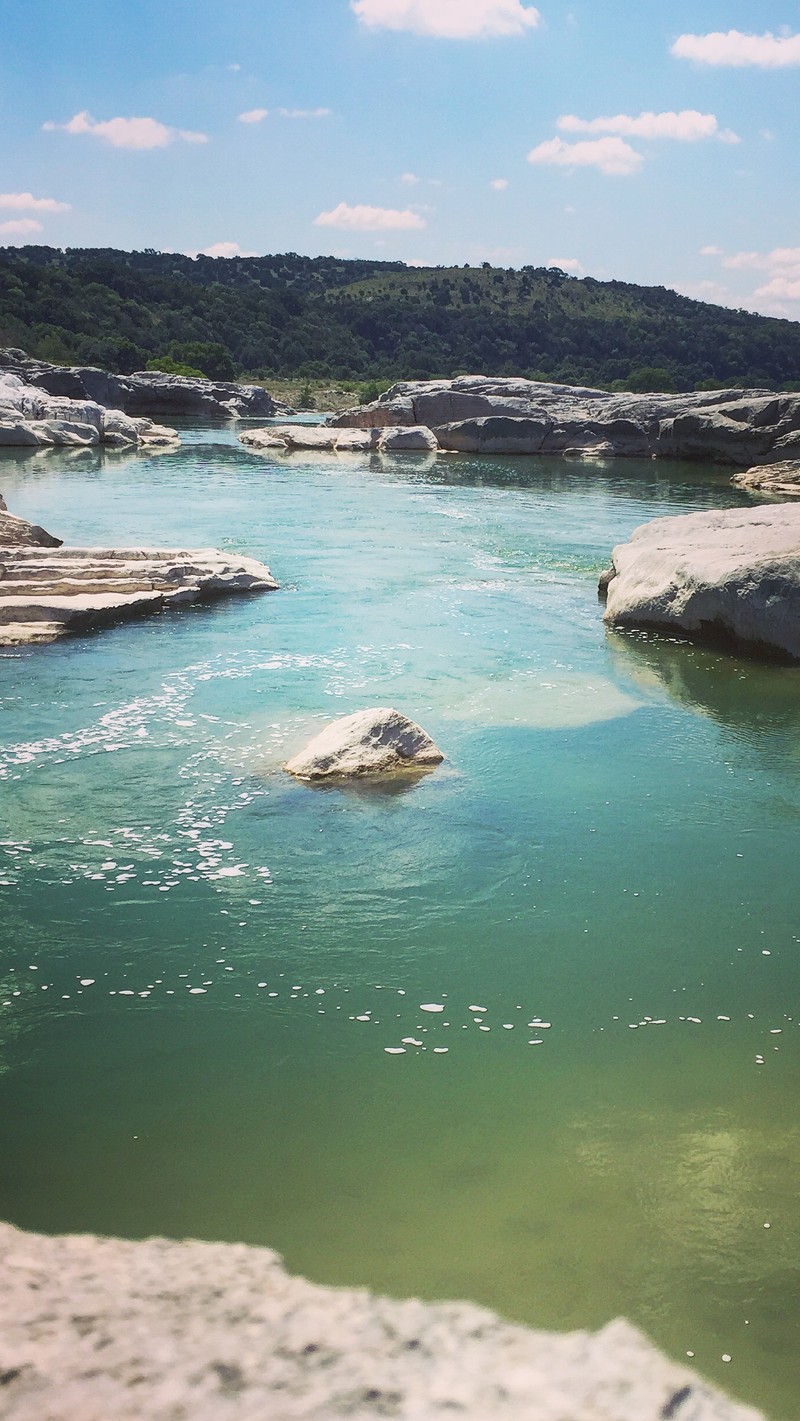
{"x": 254, "y": 116}
{"x": 499, "y": 184}
{"x": 688, "y": 126}
{"x": 21, "y": 227}
{"x": 139, "y": 133}
{"x": 612, "y": 155}
{"x": 448, "y": 19}
{"x": 26, "y": 202}
{"x": 370, "y": 219}
{"x": 781, "y": 266}
{"x": 736, "y": 50}
{"x": 410, "y": 179}
{"x": 304, "y": 113}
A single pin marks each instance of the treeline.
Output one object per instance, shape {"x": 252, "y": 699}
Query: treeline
{"x": 325, "y": 317}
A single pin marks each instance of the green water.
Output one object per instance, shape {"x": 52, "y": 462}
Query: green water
{"x": 203, "y": 963}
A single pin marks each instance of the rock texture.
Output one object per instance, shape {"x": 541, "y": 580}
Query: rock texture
{"x": 17, "y": 532}
{"x": 330, "y": 439}
{"x": 48, "y": 591}
{"x": 379, "y": 741}
{"x": 30, "y": 417}
{"x": 93, "y": 1329}
{"x": 145, "y": 393}
{"x": 731, "y": 576}
{"x": 781, "y": 479}
{"x": 482, "y": 414}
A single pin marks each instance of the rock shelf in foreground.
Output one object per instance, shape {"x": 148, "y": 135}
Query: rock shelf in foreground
{"x": 93, "y": 1329}
{"x": 378, "y": 741}
{"x": 488, "y": 415}
{"x": 47, "y": 593}
{"x": 732, "y": 576}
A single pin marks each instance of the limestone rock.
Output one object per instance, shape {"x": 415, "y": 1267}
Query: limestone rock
{"x": 95, "y": 1329}
{"x": 146, "y": 392}
{"x": 782, "y": 478}
{"x": 408, "y": 437}
{"x": 732, "y": 575}
{"x": 492, "y": 415}
{"x": 45, "y": 594}
{"x": 18, "y": 533}
{"x": 378, "y": 741}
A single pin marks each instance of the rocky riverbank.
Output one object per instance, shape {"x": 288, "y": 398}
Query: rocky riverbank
{"x": 485, "y": 415}
{"x": 730, "y": 576}
{"x": 48, "y": 591}
{"x": 97, "y": 1328}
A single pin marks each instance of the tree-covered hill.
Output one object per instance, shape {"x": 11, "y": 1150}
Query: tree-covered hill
{"x": 363, "y": 320}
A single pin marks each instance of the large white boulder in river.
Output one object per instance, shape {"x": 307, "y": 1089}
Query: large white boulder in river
{"x": 731, "y": 576}
{"x": 371, "y": 742}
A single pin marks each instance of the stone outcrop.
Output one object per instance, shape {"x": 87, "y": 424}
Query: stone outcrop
{"x": 145, "y": 393}
{"x": 48, "y": 591}
{"x": 96, "y": 1328}
{"x": 379, "y": 741}
{"x": 781, "y": 480}
{"x": 487, "y": 415}
{"x": 293, "y": 438}
{"x": 730, "y": 576}
{"x": 30, "y": 417}
{"x": 18, "y": 533}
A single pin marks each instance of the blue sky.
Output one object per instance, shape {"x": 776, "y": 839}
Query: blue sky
{"x": 656, "y": 144}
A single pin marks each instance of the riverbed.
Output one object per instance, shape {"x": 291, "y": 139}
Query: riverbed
{"x": 215, "y": 983}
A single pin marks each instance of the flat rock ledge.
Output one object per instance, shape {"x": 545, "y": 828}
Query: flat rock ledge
{"x": 378, "y": 741}
{"x": 730, "y": 576}
{"x": 293, "y": 438}
{"x": 486, "y": 415}
{"x": 47, "y": 593}
{"x": 93, "y": 1329}
{"x": 781, "y": 479}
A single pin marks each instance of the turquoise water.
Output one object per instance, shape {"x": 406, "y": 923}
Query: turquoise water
{"x": 202, "y": 963}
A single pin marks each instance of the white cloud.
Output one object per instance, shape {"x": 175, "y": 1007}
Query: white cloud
{"x": 736, "y": 50}
{"x": 304, "y": 113}
{"x": 140, "y": 133}
{"x": 688, "y": 126}
{"x": 26, "y": 202}
{"x": 611, "y": 155}
{"x": 418, "y": 263}
{"x": 711, "y": 291}
{"x": 782, "y": 288}
{"x": 410, "y": 179}
{"x": 224, "y": 249}
{"x": 711, "y": 252}
{"x": 781, "y": 259}
{"x": 253, "y": 116}
{"x": 448, "y": 19}
{"x": 567, "y": 264}
{"x": 370, "y": 219}
{"x": 499, "y": 184}
{"x": 22, "y": 227}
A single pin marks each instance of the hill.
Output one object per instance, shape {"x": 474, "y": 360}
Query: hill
{"x": 319, "y": 317}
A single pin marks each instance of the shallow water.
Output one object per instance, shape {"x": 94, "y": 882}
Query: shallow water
{"x": 203, "y": 964}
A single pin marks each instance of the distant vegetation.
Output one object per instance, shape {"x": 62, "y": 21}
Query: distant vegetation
{"x": 373, "y": 322}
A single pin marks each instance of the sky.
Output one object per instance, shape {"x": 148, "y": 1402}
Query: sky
{"x": 656, "y": 144}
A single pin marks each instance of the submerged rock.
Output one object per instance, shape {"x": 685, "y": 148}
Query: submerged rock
{"x": 46, "y": 594}
{"x": 371, "y": 742}
{"x": 721, "y": 576}
{"x": 484, "y": 414}
{"x": 782, "y": 479}
{"x": 95, "y": 1328}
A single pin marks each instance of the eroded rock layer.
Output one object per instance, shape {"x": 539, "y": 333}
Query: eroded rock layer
{"x": 47, "y": 592}
{"x": 161, "y": 1331}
